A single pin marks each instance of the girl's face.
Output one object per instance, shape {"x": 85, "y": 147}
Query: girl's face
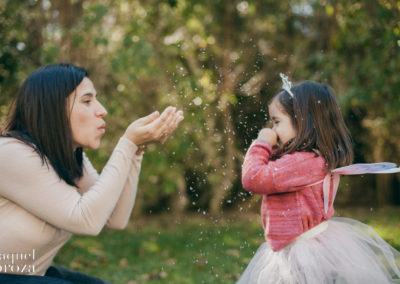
{"x": 281, "y": 122}
{"x": 86, "y": 116}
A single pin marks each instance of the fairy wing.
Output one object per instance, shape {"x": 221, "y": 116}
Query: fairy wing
{"x": 332, "y": 180}
{"x": 373, "y": 168}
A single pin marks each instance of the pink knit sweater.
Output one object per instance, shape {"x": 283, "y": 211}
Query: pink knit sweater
{"x": 291, "y": 203}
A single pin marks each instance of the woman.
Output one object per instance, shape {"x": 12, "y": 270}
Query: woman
{"x": 49, "y": 190}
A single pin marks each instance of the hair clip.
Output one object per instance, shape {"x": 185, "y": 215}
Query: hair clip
{"x": 286, "y": 84}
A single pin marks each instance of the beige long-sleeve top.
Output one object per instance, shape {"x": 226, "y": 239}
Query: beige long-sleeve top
{"x": 39, "y": 212}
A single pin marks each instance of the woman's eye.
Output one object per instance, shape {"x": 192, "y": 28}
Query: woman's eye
{"x": 86, "y": 102}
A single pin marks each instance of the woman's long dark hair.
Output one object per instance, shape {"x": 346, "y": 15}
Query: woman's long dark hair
{"x": 39, "y": 117}
{"x": 316, "y": 116}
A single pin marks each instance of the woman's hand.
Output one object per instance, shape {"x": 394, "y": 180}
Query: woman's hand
{"x": 269, "y": 136}
{"x": 154, "y": 127}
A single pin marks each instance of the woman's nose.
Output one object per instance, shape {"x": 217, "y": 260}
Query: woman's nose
{"x": 101, "y": 111}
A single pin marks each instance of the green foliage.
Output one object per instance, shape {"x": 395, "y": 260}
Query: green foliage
{"x": 218, "y": 61}
{"x": 17, "y": 57}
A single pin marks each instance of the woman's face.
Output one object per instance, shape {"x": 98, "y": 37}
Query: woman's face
{"x": 86, "y": 116}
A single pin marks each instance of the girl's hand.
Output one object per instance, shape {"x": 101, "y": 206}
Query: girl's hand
{"x": 154, "y": 127}
{"x": 269, "y": 136}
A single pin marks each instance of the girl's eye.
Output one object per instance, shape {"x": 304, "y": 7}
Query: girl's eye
{"x": 86, "y": 102}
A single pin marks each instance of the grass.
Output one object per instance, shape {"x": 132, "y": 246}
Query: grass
{"x": 189, "y": 249}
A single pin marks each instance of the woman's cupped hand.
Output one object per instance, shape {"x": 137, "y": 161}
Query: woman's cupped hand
{"x": 155, "y": 127}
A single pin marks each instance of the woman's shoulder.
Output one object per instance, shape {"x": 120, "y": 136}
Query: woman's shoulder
{"x": 7, "y": 141}
{"x": 20, "y": 160}
{"x": 11, "y": 148}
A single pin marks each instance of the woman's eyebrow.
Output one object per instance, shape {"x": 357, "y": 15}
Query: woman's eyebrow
{"x": 89, "y": 95}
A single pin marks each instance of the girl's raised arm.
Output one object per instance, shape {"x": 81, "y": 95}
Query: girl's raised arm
{"x": 289, "y": 173}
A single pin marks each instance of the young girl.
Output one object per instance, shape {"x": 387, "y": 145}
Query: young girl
{"x": 293, "y": 166}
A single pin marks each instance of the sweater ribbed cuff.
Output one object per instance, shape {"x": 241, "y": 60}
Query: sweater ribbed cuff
{"x": 127, "y": 147}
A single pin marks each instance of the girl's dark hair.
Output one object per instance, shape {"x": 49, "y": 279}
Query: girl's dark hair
{"x": 320, "y": 127}
{"x": 39, "y": 117}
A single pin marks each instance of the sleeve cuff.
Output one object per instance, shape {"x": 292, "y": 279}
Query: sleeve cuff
{"x": 127, "y": 146}
{"x": 262, "y": 143}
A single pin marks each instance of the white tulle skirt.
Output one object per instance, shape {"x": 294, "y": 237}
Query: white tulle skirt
{"x": 340, "y": 250}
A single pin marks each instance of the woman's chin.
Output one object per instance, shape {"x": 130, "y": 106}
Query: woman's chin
{"x": 93, "y": 145}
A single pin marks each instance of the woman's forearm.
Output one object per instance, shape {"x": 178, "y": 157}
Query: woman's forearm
{"x": 120, "y": 216}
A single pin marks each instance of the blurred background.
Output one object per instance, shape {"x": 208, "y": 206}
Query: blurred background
{"x": 219, "y": 61}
